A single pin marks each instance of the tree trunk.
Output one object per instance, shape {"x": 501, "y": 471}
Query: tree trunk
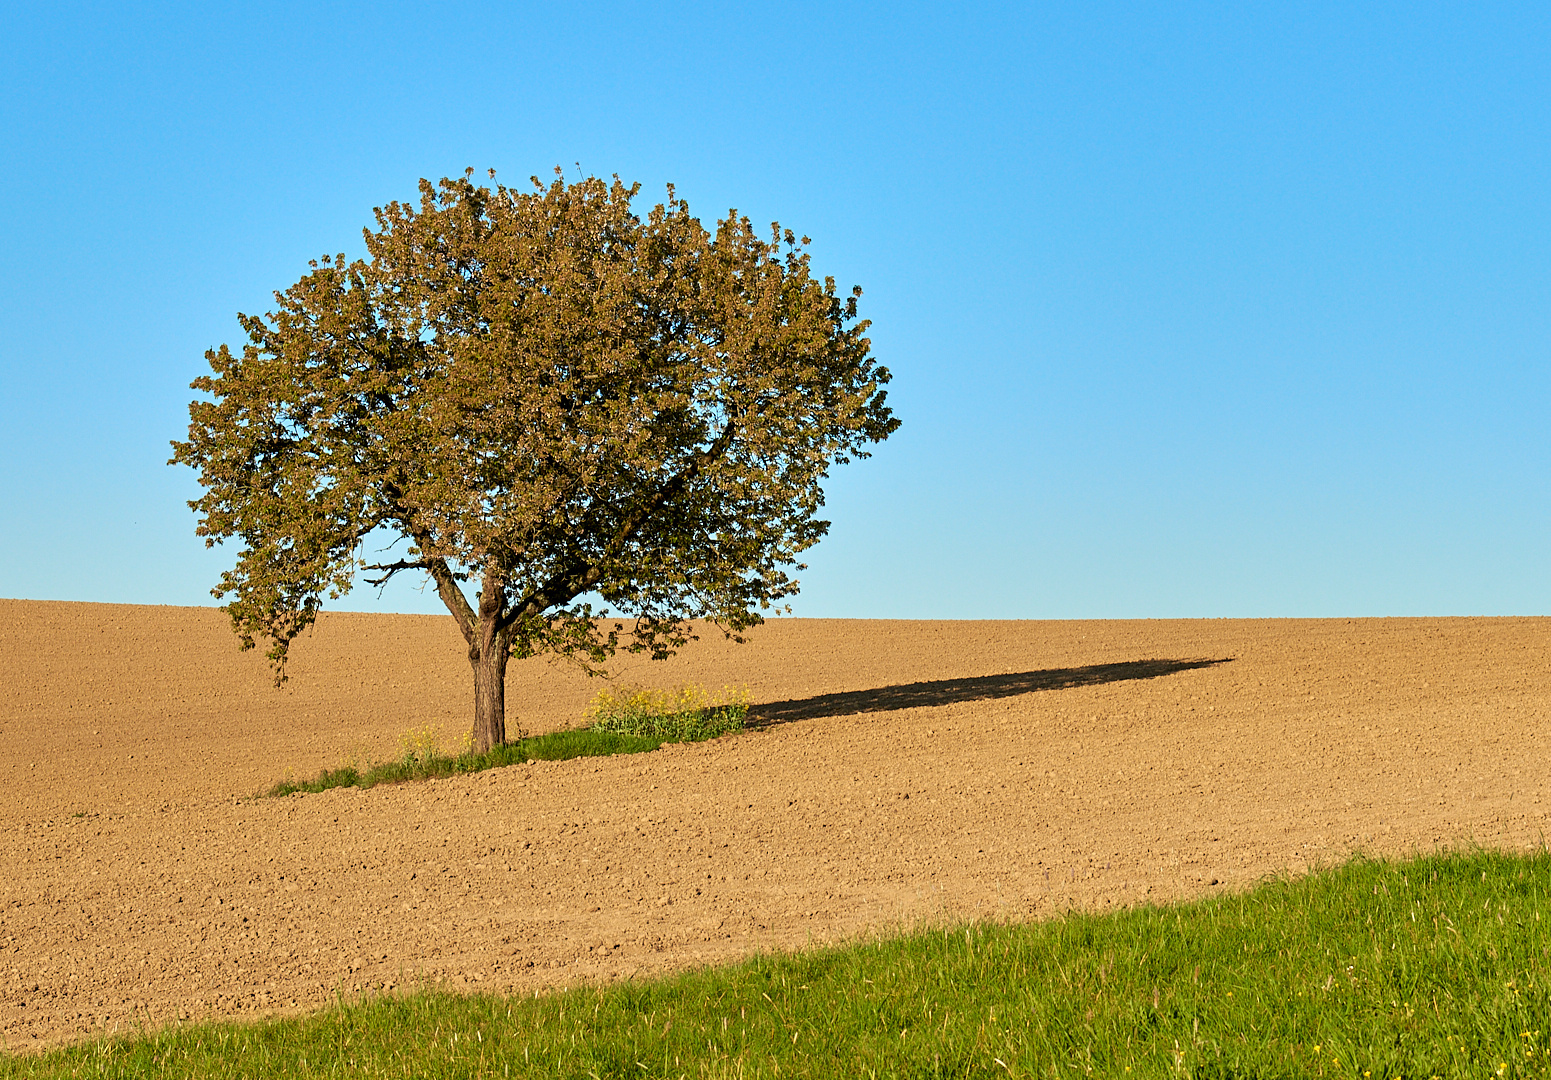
{"x": 488, "y": 653}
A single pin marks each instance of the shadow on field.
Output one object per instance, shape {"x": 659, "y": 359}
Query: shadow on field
{"x": 953, "y": 691}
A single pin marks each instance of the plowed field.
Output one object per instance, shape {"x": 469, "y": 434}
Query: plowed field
{"x": 905, "y": 770}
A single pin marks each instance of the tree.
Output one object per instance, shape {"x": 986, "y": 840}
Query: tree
{"x": 545, "y": 397}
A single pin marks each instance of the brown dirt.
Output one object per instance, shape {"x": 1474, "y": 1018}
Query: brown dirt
{"x": 909, "y": 770}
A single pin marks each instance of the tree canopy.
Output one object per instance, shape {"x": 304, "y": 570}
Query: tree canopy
{"x": 548, "y": 397}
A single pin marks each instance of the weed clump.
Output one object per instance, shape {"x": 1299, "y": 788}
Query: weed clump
{"x": 687, "y": 714}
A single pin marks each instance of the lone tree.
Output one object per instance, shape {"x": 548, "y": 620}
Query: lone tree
{"x": 547, "y": 398}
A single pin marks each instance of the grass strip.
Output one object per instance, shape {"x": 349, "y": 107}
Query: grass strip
{"x": 428, "y": 765}
{"x": 627, "y": 721}
{"x": 1438, "y": 966}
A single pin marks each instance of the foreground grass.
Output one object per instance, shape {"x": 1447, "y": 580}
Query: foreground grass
{"x": 1435, "y": 967}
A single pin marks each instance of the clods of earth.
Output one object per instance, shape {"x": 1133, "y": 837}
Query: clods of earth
{"x": 898, "y": 772}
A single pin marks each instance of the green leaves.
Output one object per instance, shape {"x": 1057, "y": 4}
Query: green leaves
{"x": 547, "y": 393}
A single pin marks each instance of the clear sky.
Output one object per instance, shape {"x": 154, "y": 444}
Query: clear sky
{"x": 1193, "y": 310}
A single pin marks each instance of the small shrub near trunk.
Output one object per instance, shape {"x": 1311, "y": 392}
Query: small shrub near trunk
{"x": 687, "y": 714}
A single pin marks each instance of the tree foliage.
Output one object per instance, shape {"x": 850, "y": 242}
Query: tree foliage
{"x": 547, "y": 396}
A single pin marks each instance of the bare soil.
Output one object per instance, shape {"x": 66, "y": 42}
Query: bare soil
{"x": 906, "y": 770}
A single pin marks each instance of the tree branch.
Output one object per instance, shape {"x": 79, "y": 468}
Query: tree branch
{"x": 452, "y": 596}
{"x": 579, "y": 576}
{"x": 393, "y": 568}
{"x": 441, "y": 573}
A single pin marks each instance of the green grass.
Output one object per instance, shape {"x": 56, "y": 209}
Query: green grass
{"x": 1433, "y": 967}
{"x": 422, "y": 761}
{"x": 629, "y": 721}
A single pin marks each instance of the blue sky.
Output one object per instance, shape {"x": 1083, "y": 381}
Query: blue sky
{"x": 1193, "y": 310}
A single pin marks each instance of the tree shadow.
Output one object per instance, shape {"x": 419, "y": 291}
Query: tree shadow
{"x": 955, "y": 691}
